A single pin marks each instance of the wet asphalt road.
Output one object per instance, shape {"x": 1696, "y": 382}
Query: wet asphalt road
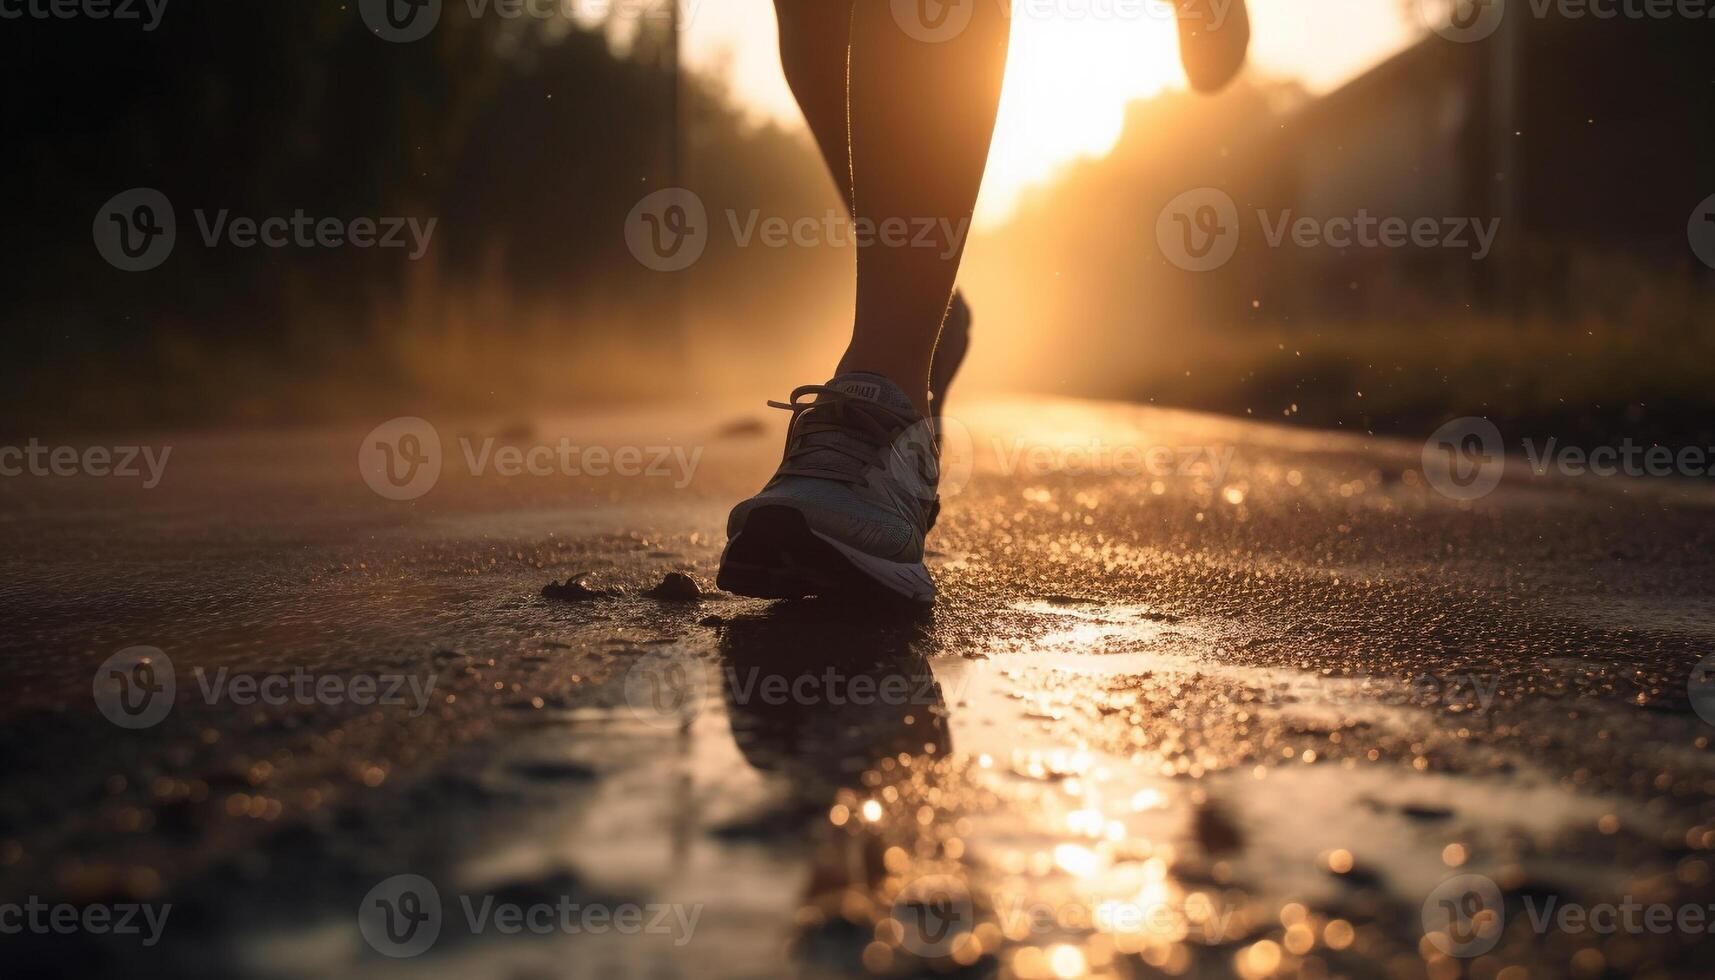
{"x": 1261, "y": 702}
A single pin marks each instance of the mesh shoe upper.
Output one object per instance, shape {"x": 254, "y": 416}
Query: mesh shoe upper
{"x": 860, "y": 465}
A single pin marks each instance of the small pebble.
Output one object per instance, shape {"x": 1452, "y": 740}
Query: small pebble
{"x": 574, "y": 590}
{"x": 676, "y": 587}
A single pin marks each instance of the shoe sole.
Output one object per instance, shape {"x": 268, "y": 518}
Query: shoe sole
{"x": 776, "y": 555}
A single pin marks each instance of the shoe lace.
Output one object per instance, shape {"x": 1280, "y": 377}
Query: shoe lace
{"x": 836, "y": 421}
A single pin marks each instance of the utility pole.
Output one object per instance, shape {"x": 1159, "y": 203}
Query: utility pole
{"x": 677, "y": 331}
{"x": 675, "y": 146}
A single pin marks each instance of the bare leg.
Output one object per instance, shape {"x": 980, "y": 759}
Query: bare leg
{"x": 922, "y": 119}
{"x": 815, "y": 40}
{"x": 916, "y": 118}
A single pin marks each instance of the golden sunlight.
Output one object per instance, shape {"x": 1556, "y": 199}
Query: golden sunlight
{"x": 1068, "y": 82}
{"x": 1075, "y": 65}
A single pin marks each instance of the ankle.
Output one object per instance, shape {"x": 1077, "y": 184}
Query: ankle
{"x": 916, "y": 390}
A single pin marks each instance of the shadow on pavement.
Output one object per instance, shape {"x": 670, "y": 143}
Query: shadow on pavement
{"x": 819, "y": 692}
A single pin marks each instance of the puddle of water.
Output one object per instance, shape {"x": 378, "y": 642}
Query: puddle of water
{"x": 1396, "y": 825}
{"x": 1112, "y": 788}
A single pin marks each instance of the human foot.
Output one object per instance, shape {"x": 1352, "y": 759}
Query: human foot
{"x": 949, "y": 353}
{"x": 847, "y": 511}
{"x": 1213, "y": 48}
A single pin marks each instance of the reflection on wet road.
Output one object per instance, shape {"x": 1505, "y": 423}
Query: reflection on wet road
{"x": 1281, "y": 719}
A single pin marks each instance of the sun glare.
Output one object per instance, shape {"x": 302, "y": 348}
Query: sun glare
{"x": 1071, "y": 72}
{"x": 1068, "y": 83}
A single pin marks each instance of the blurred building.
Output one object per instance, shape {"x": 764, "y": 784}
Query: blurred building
{"x": 1591, "y": 140}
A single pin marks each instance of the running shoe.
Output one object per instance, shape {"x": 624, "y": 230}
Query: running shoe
{"x": 848, "y": 508}
{"x": 949, "y": 352}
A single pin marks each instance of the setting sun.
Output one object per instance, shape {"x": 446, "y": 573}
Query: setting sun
{"x": 1068, "y": 82}
{"x": 1072, "y": 71}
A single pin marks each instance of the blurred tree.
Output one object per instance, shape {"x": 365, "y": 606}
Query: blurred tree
{"x": 528, "y": 140}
